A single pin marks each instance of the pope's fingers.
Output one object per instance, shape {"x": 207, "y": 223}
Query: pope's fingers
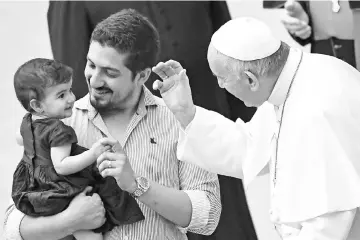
{"x": 164, "y": 70}
{"x": 159, "y": 70}
{"x": 175, "y": 65}
{"x": 169, "y": 71}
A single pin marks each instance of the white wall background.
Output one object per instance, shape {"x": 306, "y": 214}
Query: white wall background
{"x": 24, "y": 35}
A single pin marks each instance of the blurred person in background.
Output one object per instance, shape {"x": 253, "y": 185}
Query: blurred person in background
{"x": 330, "y": 26}
{"x": 185, "y": 30}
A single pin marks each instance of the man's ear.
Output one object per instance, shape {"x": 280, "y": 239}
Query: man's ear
{"x": 253, "y": 81}
{"x": 144, "y": 75}
{"x": 36, "y": 106}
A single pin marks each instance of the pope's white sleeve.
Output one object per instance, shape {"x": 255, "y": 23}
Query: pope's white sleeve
{"x": 331, "y": 226}
{"x": 214, "y": 143}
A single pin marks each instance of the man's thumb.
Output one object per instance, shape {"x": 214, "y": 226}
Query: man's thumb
{"x": 157, "y": 85}
{"x": 183, "y": 75}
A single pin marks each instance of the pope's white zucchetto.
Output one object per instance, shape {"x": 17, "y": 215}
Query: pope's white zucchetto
{"x": 245, "y": 39}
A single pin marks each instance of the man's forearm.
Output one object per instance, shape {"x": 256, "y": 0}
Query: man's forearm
{"x": 172, "y": 204}
{"x": 50, "y": 228}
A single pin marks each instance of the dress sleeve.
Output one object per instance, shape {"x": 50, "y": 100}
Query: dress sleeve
{"x": 61, "y": 135}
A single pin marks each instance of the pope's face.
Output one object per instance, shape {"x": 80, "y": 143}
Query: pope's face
{"x": 236, "y": 84}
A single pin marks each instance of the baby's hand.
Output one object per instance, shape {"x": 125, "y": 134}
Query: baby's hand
{"x": 102, "y": 145}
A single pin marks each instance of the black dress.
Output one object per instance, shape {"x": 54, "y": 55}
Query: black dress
{"x": 39, "y": 191}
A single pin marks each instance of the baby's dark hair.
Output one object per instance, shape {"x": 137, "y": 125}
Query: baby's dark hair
{"x": 33, "y": 77}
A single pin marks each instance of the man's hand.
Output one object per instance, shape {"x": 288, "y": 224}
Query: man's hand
{"x": 175, "y": 90}
{"x": 295, "y": 20}
{"x": 102, "y": 145}
{"x": 116, "y": 164}
{"x": 86, "y": 212}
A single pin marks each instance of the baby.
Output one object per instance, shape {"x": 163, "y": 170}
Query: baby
{"x": 54, "y": 168}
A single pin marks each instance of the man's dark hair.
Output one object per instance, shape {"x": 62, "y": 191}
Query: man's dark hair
{"x": 33, "y": 77}
{"x": 130, "y": 33}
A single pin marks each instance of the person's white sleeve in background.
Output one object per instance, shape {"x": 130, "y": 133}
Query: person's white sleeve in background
{"x": 331, "y": 226}
{"x": 214, "y": 143}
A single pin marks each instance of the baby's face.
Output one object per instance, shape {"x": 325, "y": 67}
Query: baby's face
{"x": 59, "y": 101}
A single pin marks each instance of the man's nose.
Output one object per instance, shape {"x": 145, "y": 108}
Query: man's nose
{"x": 95, "y": 80}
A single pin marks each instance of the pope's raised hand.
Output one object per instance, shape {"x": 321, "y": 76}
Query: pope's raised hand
{"x": 175, "y": 90}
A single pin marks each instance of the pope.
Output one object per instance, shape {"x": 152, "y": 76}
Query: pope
{"x": 305, "y": 133}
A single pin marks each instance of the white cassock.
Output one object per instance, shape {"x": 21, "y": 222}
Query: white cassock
{"x": 309, "y": 139}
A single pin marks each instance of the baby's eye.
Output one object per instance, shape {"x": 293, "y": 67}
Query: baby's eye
{"x": 61, "y": 95}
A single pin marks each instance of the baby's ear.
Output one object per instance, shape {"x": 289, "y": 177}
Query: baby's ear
{"x": 36, "y": 106}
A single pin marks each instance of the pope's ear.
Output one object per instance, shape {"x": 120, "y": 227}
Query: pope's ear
{"x": 253, "y": 81}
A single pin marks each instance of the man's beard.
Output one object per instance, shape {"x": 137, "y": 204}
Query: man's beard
{"x": 99, "y": 104}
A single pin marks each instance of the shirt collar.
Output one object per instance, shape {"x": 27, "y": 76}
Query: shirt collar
{"x": 278, "y": 95}
{"x": 146, "y": 99}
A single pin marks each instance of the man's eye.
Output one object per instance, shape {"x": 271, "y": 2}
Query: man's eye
{"x": 111, "y": 74}
{"x": 61, "y": 95}
{"x": 91, "y": 65}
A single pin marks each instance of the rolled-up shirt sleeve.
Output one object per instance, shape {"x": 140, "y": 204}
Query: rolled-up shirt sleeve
{"x": 200, "y": 209}
{"x": 203, "y": 190}
{"x": 12, "y": 221}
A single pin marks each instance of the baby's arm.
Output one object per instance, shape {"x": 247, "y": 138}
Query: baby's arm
{"x": 65, "y": 164}
{"x": 19, "y": 138}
